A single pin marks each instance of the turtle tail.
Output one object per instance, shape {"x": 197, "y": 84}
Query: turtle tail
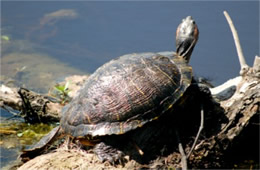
{"x": 39, "y": 147}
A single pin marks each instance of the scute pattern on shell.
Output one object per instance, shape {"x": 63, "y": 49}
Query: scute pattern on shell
{"x": 126, "y": 93}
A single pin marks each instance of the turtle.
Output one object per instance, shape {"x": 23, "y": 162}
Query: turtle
{"x": 125, "y": 94}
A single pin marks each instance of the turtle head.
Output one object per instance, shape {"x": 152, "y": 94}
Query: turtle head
{"x": 187, "y": 35}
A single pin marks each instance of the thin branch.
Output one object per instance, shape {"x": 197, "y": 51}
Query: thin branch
{"x": 183, "y": 155}
{"x": 237, "y": 42}
{"x": 137, "y": 148}
{"x": 9, "y": 109}
{"x": 199, "y": 131}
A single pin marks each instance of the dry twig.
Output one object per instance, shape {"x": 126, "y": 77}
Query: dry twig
{"x": 242, "y": 61}
{"x": 182, "y": 152}
{"x": 199, "y": 131}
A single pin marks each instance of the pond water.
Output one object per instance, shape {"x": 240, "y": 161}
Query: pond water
{"x": 42, "y": 42}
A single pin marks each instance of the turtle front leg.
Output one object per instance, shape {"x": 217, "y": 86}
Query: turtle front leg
{"x": 108, "y": 153}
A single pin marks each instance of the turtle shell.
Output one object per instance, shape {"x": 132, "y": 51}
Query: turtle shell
{"x": 127, "y": 93}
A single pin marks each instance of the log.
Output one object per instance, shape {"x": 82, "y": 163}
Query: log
{"x": 35, "y": 107}
{"x": 240, "y": 112}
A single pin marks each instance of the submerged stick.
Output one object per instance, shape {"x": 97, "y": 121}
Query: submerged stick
{"x": 242, "y": 61}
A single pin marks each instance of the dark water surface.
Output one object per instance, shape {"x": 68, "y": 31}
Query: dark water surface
{"x": 89, "y": 34}
{"x": 85, "y": 35}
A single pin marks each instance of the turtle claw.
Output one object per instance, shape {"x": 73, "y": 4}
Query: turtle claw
{"x": 108, "y": 153}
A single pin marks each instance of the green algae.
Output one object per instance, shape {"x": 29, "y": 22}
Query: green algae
{"x": 23, "y": 133}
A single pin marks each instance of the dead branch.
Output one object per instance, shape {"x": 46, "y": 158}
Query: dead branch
{"x": 242, "y": 61}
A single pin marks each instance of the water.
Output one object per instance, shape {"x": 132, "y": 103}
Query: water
{"x": 85, "y": 35}
{"x": 101, "y": 31}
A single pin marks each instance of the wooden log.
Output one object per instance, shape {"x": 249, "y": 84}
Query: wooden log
{"x": 210, "y": 152}
{"x": 241, "y": 110}
{"x": 37, "y": 107}
{"x": 34, "y": 107}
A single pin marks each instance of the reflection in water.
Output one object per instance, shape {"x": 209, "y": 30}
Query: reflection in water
{"x": 47, "y": 27}
{"x": 53, "y": 17}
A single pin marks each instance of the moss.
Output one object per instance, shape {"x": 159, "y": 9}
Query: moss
{"x": 26, "y": 134}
